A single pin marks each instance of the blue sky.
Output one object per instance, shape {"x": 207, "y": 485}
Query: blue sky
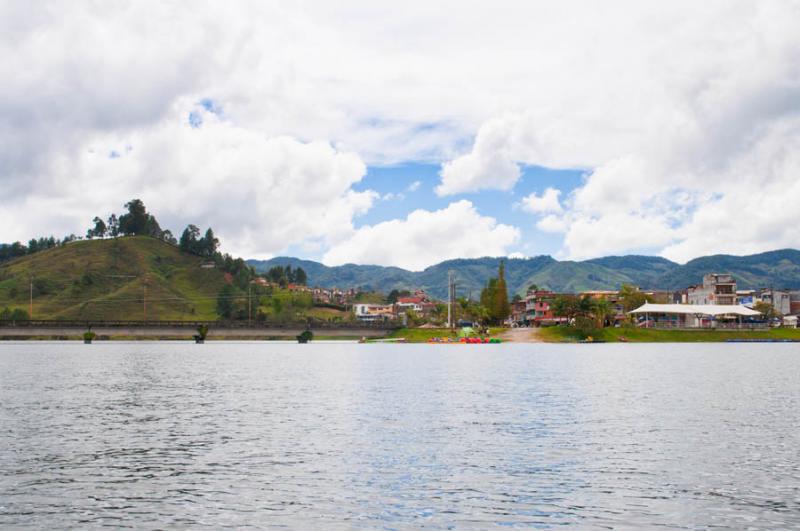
{"x": 500, "y": 205}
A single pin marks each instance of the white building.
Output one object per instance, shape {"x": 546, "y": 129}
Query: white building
{"x": 373, "y": 312}
{"x": 717, "y": 288}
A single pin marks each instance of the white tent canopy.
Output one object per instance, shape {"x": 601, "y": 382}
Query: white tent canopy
{"x": 697, "y": 309}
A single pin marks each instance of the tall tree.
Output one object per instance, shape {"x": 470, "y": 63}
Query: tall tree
{"x": 502, "y": 308}
{"x": 210, "y": 243}
{"x": 99, "y": 230}
{"x": 225, "y": 301}
{"x": 188, "y": 241}
{"x": 113, "y": 226}
{"x": 632, "y": 298}
{"x": 300, "y": 276}
{"x": 135, "y": 221}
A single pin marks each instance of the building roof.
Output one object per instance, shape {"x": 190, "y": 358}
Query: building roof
{"x": 694, "y": 309}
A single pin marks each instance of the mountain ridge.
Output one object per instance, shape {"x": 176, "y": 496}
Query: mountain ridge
{"x": 778, "y": 268}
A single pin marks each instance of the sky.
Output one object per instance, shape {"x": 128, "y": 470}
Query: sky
{"x": 408, "y": 133}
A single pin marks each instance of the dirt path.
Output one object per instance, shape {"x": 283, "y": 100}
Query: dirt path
{"x": 521, "y": 335}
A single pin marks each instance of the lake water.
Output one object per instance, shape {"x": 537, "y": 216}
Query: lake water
{"x": 363, "y": 436}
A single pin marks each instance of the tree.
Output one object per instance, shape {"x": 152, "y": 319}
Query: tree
{"x": 277, "y": 274}
{"x": 565, "y": 306}
{"x": 225, "y": 301}
{"x": 113, "y": 226}
{"x": 135, "y": 221}
{"x": 632, "y": 298}
{"x": 488, "y": 295}
{"x": 210, "y": 243}
{"x": 602, "y": 310}
{"x": 766, "y": 309}
{"x": 300, "y": 276}
{"x": 189, "y": 238}
{"x": 494, "y": 297}
{"x": 169, "y": 238}
{"x": 501, "y": 309}
{"x": 16, "y": 314}
{"x": 99, "y": 230}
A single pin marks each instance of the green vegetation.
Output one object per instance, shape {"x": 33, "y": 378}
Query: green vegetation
{"x": 776, "y": 268}
{"x": 422, "y": 335}
{"x": 111, "y": 279}
{"x": 17, "y": 314}
{"x": 305, "y": 336}
{"x": 559, "y": 334}
{"x": 494, "y": 297}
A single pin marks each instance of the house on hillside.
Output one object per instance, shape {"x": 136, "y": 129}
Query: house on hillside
{"x": 374, "y": 312}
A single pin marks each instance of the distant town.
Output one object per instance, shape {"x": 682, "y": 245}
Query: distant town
{"x": 692, "y": 307}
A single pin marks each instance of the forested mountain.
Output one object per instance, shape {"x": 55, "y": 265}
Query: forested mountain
{"x": 776, "y": 268}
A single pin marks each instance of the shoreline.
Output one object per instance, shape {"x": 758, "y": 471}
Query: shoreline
{"x": 549, "y": 335}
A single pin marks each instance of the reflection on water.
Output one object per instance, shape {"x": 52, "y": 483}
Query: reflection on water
{"x": 184, "y": 435}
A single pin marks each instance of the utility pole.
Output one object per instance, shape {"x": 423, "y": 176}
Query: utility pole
{"x": 30, "y": 302}
{"x": 449, "y": 300}
{"x": 451, "y": 297}
{"x": 144, "y": 297}
{"x": 250, "y": 304}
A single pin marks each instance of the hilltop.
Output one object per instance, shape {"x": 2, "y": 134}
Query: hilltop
{"x": 775, "y": 268}
{"x": 112, "y": 275}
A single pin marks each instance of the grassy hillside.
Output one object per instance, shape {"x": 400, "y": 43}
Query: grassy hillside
{"x": 106, "y": 279}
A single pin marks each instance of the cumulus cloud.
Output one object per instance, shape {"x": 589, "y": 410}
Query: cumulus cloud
{"x": 261, "y": 193}
{"x": 542, "y": 204}
{"x": 425, "y": 238}
{"x": 680, "y": 135}
{"x": 489, "y": 165}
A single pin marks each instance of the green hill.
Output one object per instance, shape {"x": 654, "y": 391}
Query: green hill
{"x": 775, "y": 268}
{"x": 108, "y": 279}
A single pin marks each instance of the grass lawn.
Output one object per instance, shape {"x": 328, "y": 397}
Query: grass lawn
{"x": 422, "y": 335}
{"x": 561, "y": 334}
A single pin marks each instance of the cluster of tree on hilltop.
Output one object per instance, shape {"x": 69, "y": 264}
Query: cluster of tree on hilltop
{"x": 283, "y": 276}
{"x": 136, "y": 221}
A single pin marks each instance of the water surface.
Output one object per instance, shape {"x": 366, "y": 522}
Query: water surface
{"x": 342, "y": 435}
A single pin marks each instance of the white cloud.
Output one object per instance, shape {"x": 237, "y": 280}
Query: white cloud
{"x": 425, "y": 238}
{"x": 260, "y": 194}
{"x": 489, "y": 165}
{"x": 546, "y": 203}
{"x": 413, "y": 187}
{"x": 553, "y": 224}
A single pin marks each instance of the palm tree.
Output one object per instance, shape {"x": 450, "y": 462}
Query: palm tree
{"x": 602, "y": 309}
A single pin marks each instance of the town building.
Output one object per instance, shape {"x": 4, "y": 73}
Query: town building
{"x": 518, "y": 312}
{"x": 419, "y": 302}
{"x": 794, "y": 302}
{"x": 724, "y": 316}
{"x": 538, "y": 311}
{"x": 717, "y": 288}
{"x": 374, "y": 312}
{"x": 779, "y": 299}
